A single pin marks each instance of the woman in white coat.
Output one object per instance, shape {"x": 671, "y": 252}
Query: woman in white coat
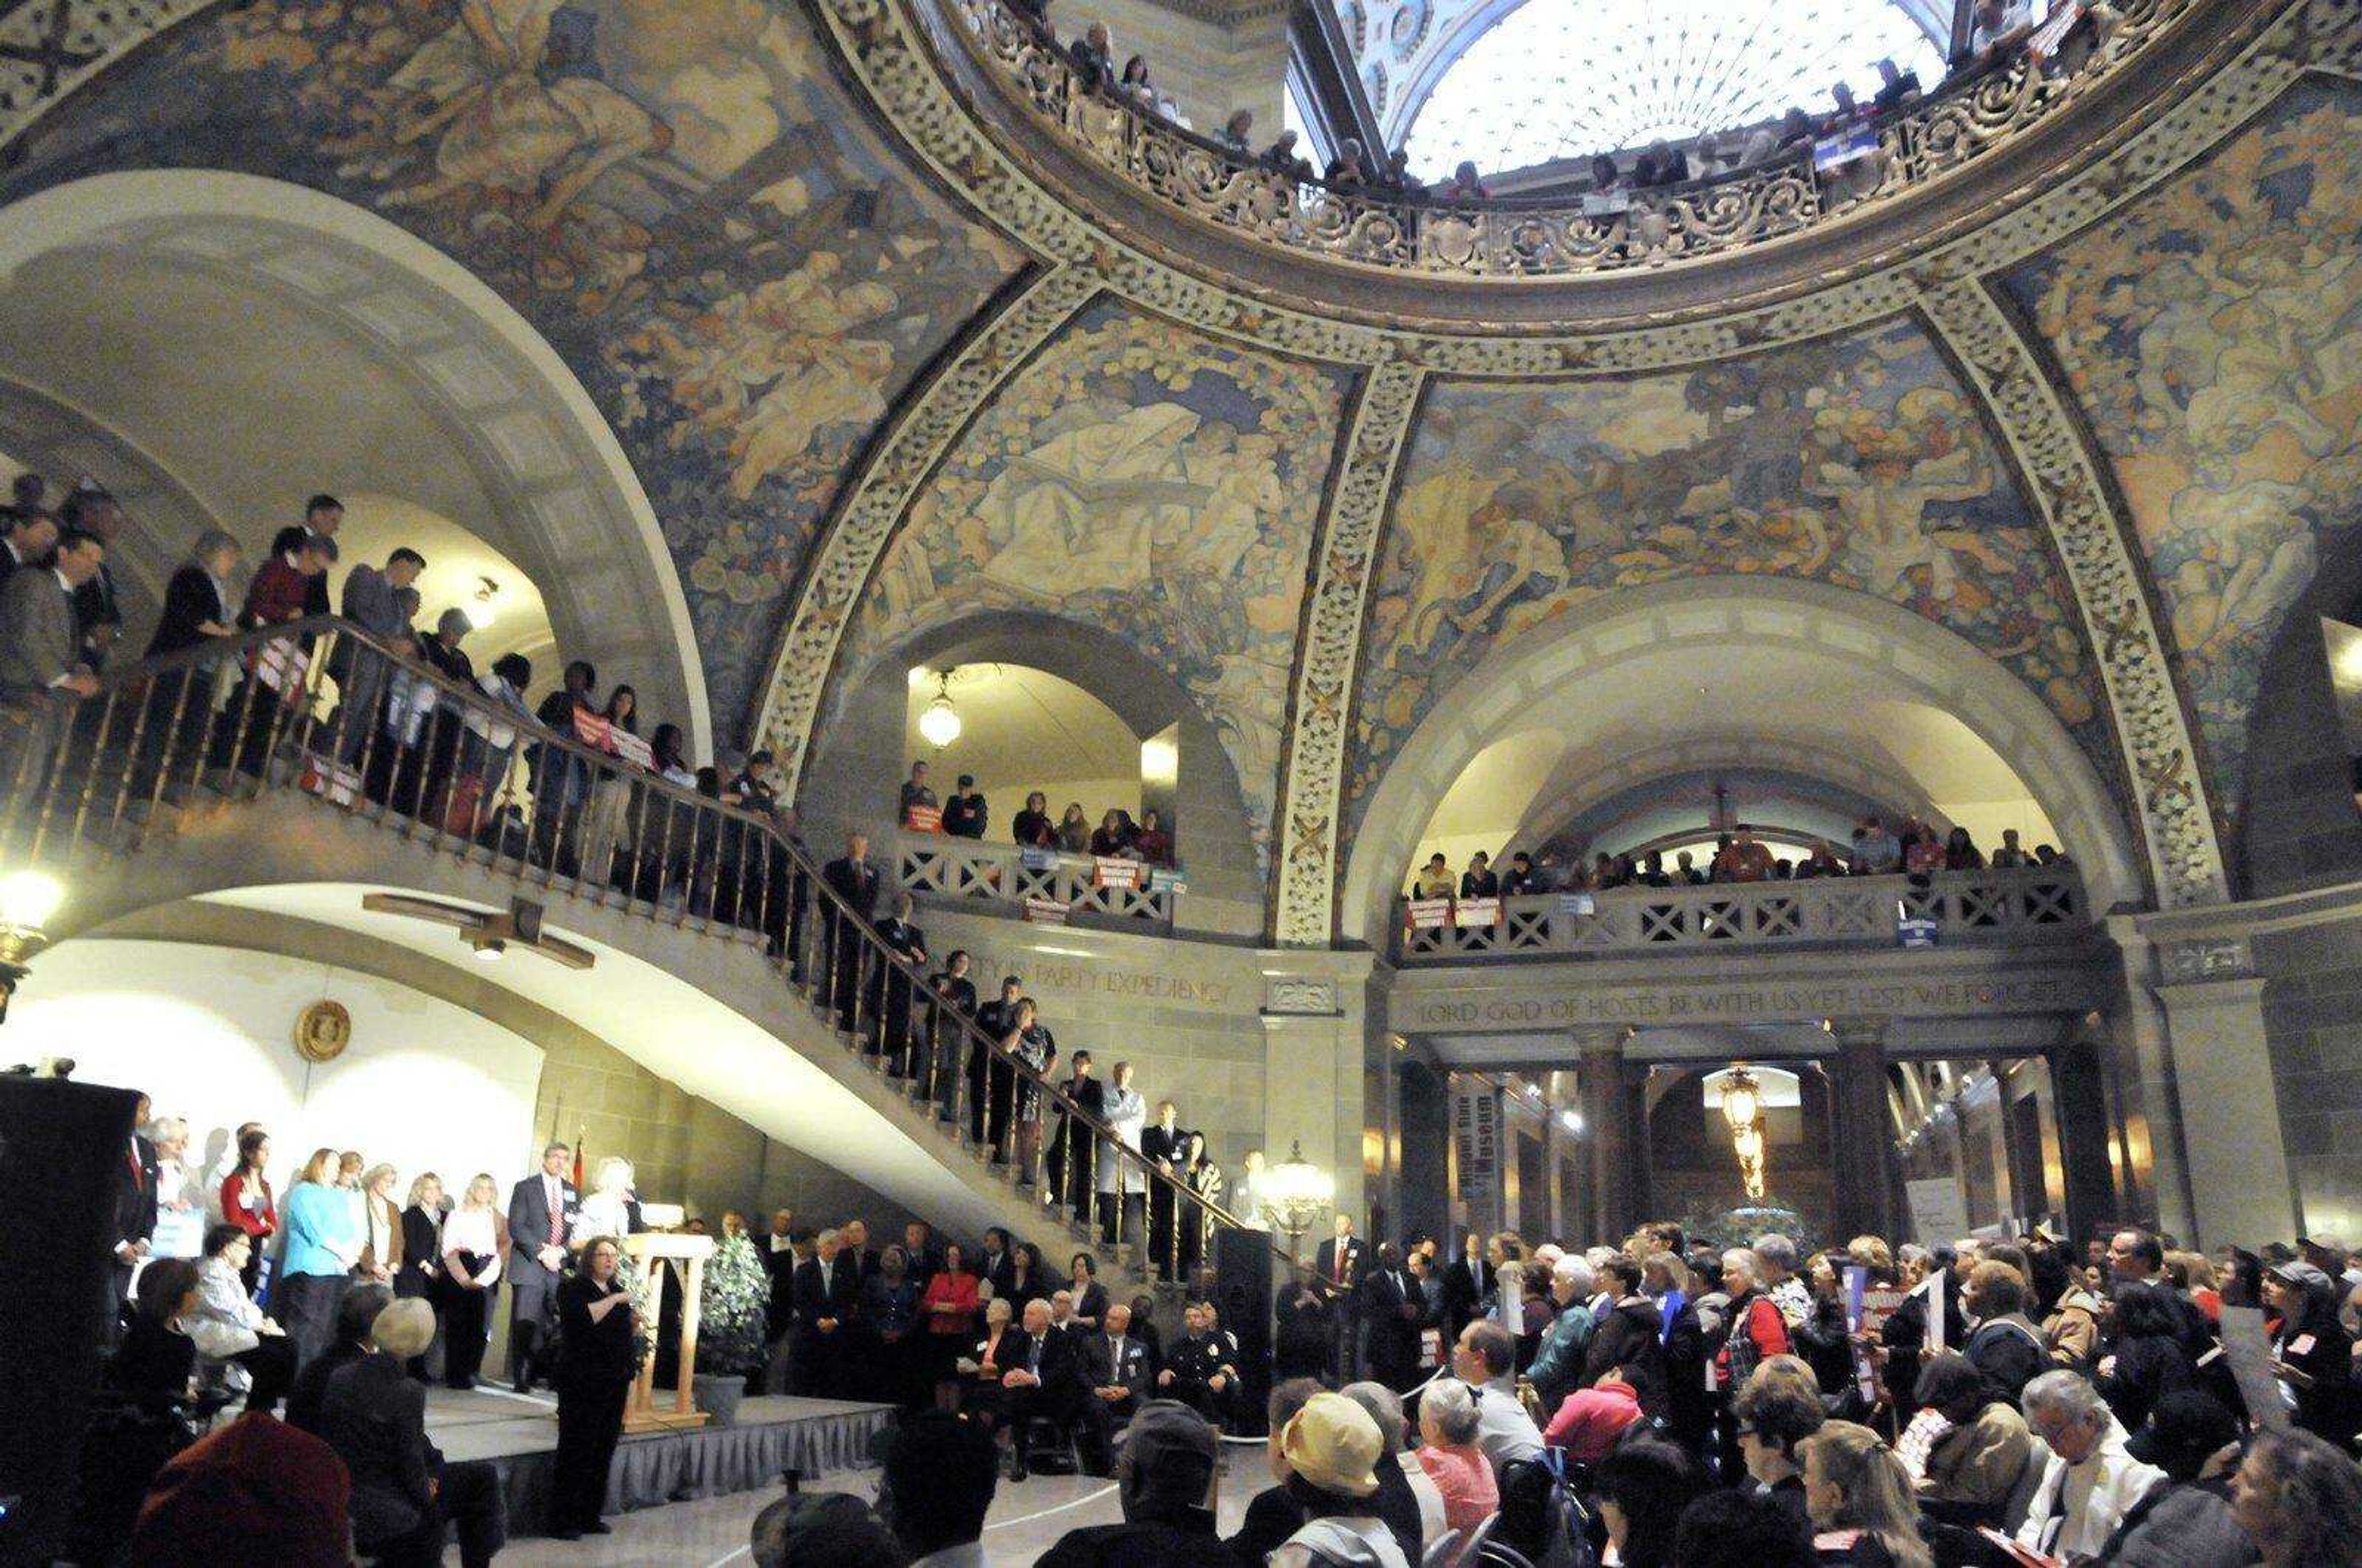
{"x": 1123, "y": 1183}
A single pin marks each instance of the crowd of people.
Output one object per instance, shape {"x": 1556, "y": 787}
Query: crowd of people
{"x": 1998, "y": 30}
{"x": 1913, "y": 849}
{"x": 1862, "y": 1403}
{"x": 966, "y": 813}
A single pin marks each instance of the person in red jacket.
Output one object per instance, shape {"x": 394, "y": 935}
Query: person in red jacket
{"x": 255, "y": 1491}
{"x": 274, "y": 674}
{"x": 246, "y": 1201}
{"x": 1757, "y": 1332}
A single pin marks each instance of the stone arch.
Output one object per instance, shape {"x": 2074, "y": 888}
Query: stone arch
{"x": 564, "y": 501}
{"x": 857, "y": 750}
{"x": 1865, "y": 647}
{"x": 1591, "y": 785}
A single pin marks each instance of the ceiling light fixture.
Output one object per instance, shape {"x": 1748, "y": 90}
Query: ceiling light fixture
{"x": 939, "y": 725}
{"x": 481, "y": 611}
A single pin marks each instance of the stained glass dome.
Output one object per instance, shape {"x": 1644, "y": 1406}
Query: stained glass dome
{"x": 1568, "y": 78}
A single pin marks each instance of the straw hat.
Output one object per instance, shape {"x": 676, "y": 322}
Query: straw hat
{"x": 1333, "y": 1444}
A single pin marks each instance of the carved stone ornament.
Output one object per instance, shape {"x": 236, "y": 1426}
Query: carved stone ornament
{"x": 322, "y": 1031}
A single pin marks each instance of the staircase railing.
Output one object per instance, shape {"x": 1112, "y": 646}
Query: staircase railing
{"x": 320, "y": 705}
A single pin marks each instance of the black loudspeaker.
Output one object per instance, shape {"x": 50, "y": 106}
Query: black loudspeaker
{"x": 62, "y": 1146}
{"x": 1244, "y": 1294}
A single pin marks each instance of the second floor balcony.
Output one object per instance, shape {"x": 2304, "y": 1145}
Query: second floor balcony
{"x": 2039, "y": 904}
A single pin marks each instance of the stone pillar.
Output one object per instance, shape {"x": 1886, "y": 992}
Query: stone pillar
{"x": 1614, "y": 1130}
{"x": 2240, "y": 1190}
{"x": 2155, "y": 1168}
{"x": 1860, "y": 1128}
{"x": 2079, "y": 1098}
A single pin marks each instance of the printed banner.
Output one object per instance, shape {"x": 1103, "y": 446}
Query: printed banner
{"x": 923, "y": 818}
{"x": 1845, "y": 147}
{"x": 632, "y": 748}
{"x": 1476, "y": 912}
{"x": 336, "y": 782}
{"x": 281, "y": 665}
{"x": 1045, "y": 911}
{"x": 592, "y": 729}
{"x": 1577, "y": 904}
{"x": 1476, "y": 1134}
{"x": 1034, "y": 858}
{"x": 1428, "y": 914}
{"x": 1115, "y": 872}
{"x": 1167, "y": 879}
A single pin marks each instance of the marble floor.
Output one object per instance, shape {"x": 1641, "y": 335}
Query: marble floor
{"x": 1027, "y": 1518}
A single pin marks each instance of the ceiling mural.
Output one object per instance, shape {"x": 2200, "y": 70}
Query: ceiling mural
{"x": 676, "y": 193}
{"x": 1144, "y": 476}
{"x": 2214, "y": 335}
{"x": 1856, "y": 460}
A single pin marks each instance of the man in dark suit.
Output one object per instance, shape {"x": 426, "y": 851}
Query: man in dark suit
{"x": 782, "y": 1252}
{"x": 854, "y": 882}
{"x": 923, "y": 1260}
{"x": 98, "y": 612}
{"x": 997, "y": 1261}
{"x": 1054, "y": 1383}
{"x": 1340, "y": 1267}
{"x": 1395, "y": 1313}
{"x": 42, "y": 673}
{"x": 1070, "y": 1162}
{"x": 1120, "y": 1369}
{"x": 1163, "y": 1143}
{"x": 1466, "y": 1283}
{"x": 827, "y": 1296}
{"x": 987, "y": 1081}
{"x": 892, "y": 996}
{"x": 135, "y": 1213}
{"x": 355, "y": 1316}
{"x": 323, "y": 515}
{"x": 542, "y": 1212}
{"x": 27, "y": 539}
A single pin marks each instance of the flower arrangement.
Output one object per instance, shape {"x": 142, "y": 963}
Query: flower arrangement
{"x": 731, "y": 1333}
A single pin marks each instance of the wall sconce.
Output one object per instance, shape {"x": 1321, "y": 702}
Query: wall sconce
{"x": 28, "y": 901}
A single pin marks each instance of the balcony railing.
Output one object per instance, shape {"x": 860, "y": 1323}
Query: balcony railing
{"x": 1905, "y": 149}
{"x": 1001, "y": 879}
{"x": 1948, "y": 907}
{"x": 478, "y": 777}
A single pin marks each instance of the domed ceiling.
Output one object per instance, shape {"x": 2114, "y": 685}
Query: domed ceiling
{"x": 858, "y": 406}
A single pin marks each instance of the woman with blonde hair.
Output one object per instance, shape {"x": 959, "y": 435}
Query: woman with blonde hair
{"x": 475, "y": 1246}
{"x": 1861, "y": 1500}
{"x": 422, "y": 1252}
{"x": 321, "y": 1252}
{"x": 380, "y": 1227}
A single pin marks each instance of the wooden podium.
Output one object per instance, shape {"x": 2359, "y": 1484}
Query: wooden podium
{"x": 651, "y": 1249}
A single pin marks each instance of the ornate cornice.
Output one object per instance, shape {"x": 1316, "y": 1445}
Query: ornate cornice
{"x": 2095, "y": 542}
{"x": 888, "y": 54}
{"x": 874, "y": 502}
{"x": 1329, "y": 653}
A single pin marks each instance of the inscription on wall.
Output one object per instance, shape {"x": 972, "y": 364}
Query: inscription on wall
{"x": 1748, "y": 1004}
{"x": 1070, "y": 978}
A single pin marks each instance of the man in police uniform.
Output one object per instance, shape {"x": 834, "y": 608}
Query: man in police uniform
{"x": 1201, "y": 1370}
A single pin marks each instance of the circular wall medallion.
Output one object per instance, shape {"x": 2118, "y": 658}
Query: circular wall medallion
{"x": 322, "y": 1031}
{"x": 1408, "y": 29}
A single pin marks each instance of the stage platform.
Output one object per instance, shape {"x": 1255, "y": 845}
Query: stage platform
{"x": 775, "y": 1432}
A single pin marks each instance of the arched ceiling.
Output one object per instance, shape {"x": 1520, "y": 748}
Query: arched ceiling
{"x": 863, "y": 407}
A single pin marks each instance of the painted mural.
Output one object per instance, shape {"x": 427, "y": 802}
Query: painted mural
{"x": 674, "y": 192}
{"x": 1144, "y": 476}
{"x": 1856, "y": 461}
{"x": 2213, "y": 334}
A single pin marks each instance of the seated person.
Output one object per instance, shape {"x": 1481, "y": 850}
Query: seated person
{"x": 1589, "y": 1422}
{"x": 981, "y": 1369}
{"x": 404, "y": 1496}
{"x": 1125, "y": 1379}
{"x": 254, "y": 1491}
{"x": 356, "y": 1314}
{"x": 1165, "y": 1488}
{"x": 1201, "y": 1368}
{"x": 1052, "y": 1382}
{"x": 1983, "y": 1457}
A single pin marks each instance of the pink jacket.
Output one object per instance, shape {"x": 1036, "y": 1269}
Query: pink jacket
{"x": 1591, "y": 1419}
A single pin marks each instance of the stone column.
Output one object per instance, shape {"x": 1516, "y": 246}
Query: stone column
{"x": 2156, "y": 1167}
{"x": 1862, "y": 1158}
{"x": 2240, "y": 1190}
{"x": 1614, "y": 1133}
{"x": 2079, "y": 1099}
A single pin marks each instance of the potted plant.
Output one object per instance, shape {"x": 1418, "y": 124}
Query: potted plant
{"x": 730, "y": 1344}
